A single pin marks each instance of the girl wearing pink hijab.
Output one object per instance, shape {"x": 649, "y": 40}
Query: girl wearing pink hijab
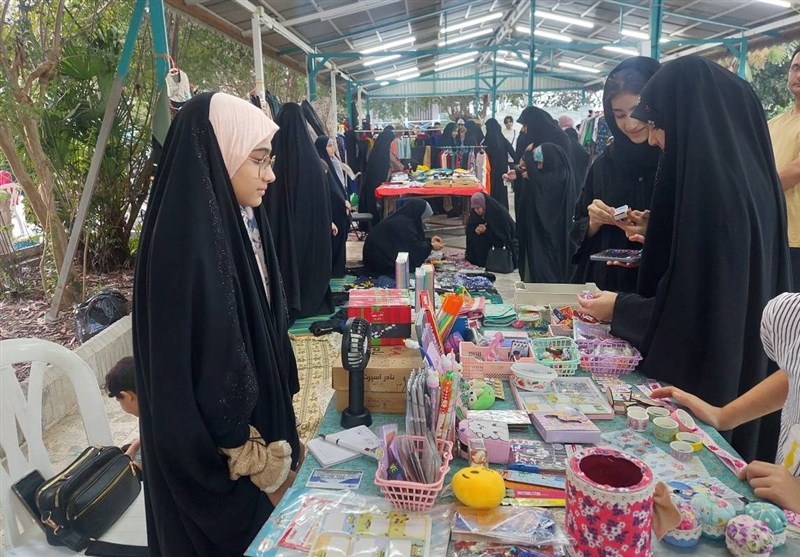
{"x": 215, "y": 371}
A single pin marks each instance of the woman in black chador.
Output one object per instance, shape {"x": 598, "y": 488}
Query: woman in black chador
{"x": 215, "y": 371}
{"x": 622, "y": 175}
{"x": 340, "y": 206}
{"x": 715, "y": 248}
{"x": 489, "y": 225}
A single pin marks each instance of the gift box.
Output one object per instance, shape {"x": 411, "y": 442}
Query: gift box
{"x": 609, "y": 497}
{"x": 384, "y": 379}
{"x": 388, "y": 311}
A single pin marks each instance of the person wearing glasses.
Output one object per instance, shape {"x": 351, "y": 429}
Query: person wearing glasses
{"x": 784, "y": 131}
{"x": 215, "y": 371}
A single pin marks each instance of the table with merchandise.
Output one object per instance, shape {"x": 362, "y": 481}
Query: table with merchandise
{"x": 547, "y": 460}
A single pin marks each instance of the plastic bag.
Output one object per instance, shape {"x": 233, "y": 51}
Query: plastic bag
{"x": 98, "y": 312}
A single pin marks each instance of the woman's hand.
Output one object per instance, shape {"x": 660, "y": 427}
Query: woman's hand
{"x": 437, "y": 243}
{"x": 480, "y": 229}
{"x": 600, "y": 215}
{"x": 510, "y": 176}
{"x": 301, "y": 458}
{"x": 600, "y": 307}
{"x": 774, "y": 483}
{"x": 712, "y": 415}
{"x": 334, "y": 230}
{"x": 349, "y": 207}
{"x": 635, "y": 225}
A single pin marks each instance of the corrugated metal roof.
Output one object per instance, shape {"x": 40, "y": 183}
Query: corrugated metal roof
{"x": 342, "y": 28}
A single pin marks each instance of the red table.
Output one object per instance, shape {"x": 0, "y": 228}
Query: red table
{"x": 390, "y": 193}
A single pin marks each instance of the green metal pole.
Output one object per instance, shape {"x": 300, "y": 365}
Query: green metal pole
{"x": 583, "y": 97}
{"x": 159, "y": 26}
{"x": 494, "y": 84}
{"x": 368, "y": 107}
{"x": 743, "y": 57}
{"x": 114, "y": 95}
{"x": 311, "y": 67}
{"x": 477, "y": 86}
{"x": 531, "y": 52}
{"x": 351, "y": 117}
{"x": 656, "y": 21}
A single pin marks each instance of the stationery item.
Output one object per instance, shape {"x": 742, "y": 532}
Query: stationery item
{"x": 657, "y": 412}
{"x": 350, "y": 534}
{"x": 401, "y": 276}
{"x": 477, "y": 455}
{"x": 637, "y": 419}
{"x": 536, "y": 456}
{"x": 535, "y": 492}
{"x": 692, "y": 439}
{"x": 529, "y": 526}
{"x": 493, "y": 434}
{"x": 664, "y": 467}
{"x": 684, "y": 420}
{"x": 419, "y": 285}
{"x": 734, "y": 464}
{"x": 648, "y": 388}
{"x": 532, "y": 376}
{"x": 532, "y": 478}
{"x": 328, "y": 454}
{"x": 680, "y": 450}
{"x": 686, "y": 486}
{"x": 565, "y": 426}
{"x": 510, "y": 501}
{"x": 334, "y": 479}
{"x": 607, "y": 487}
{"x": 359, "y": 439}
{"x": 579, "y": 393}
{"x": 514, "y": 419}
{"x": 664, "y": 429}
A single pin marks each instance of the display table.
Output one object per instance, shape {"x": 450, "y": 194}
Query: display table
{"x": 369, "y": 466}
{"x": 390, "y": 192}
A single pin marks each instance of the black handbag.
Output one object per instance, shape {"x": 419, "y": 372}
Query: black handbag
{"x": 81, "y": 503}
{"x": 500, "y": 260}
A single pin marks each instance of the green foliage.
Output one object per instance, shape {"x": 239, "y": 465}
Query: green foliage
{"x": 770, "y": 80}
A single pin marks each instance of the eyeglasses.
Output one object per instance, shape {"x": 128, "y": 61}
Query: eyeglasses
{"x": 263, "y": 163}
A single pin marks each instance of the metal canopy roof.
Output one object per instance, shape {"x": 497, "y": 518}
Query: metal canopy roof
{"x": 305, "y": 34}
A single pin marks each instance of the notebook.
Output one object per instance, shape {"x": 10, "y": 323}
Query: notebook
{"x": 345, "y": 445}
{"x": 565, "y": 426}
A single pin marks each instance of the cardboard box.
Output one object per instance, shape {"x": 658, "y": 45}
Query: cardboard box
{"x": 387, "y": 309}
{"x": 384, "y": 379}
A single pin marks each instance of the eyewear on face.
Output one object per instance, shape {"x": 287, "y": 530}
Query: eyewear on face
{"x": 263, "y": 163}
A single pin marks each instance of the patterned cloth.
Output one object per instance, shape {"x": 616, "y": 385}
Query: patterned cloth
{"x": 258, "y": 248}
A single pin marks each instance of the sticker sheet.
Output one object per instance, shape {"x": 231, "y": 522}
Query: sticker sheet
{"x": 373, "y": 534}
{"x": 664, "y": 467}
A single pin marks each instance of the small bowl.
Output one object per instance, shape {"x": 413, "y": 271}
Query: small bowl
{"x": 657, "y": 412}
{"x": 533, "y": 376}
{"x": 637, "y": 419}
{"x": 685, "y": 421}
{"x": 694, "y": 440}
{"x": 680, "y": 450}
{"x": 665, "y": 429}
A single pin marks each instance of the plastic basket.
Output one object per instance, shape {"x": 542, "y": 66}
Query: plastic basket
{"x": 413, "y": 496}
{"x": 561, "y": 367}
{"x": 475, "y": 366}
{"x": 610, "y": 364}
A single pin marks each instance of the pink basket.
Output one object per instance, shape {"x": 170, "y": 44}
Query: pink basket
{"x": 413, "y": 496}
{"x": 610, "y": 364}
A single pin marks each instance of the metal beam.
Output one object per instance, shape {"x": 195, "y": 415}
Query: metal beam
{"x": 531, "y": 53}
{"x": 656, "y": 21}
{"x": 333, "y": 13}
{"x": 673, "y": 14}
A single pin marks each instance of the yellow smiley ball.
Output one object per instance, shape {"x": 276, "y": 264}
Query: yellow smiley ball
{"x": 479, "y": 488}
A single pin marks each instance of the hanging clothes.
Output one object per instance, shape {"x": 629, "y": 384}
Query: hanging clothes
{"x": 544, "y": 217}
{"x": 623, "y": 175}
{"x": 716, "y": 250}
{"x": 212, "y": 355}
{"x": 302, "y": 228}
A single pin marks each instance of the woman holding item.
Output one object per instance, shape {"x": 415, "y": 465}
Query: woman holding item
{"x": 215, "y": 371}
{"x": 622, "y": 175}
{"x": 715, "y": 249}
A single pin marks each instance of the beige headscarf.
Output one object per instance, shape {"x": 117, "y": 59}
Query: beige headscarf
{"x": 239, "y": 127}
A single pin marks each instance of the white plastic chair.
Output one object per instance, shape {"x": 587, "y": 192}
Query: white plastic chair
{"x": 22, "y": 537}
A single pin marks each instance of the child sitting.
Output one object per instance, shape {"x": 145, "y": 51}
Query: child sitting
{"x": 121, "y": 384}
{"x": 780, "y": 334}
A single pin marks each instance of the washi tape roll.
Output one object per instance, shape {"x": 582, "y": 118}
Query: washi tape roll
{"x": 694, "y": 440}
{"x": 609, "y": 488}
{"x": 637, "y": 419}
{"x": 665, "y": 429}
{"x": 681, "y": 450}
{"x": 685, "y": 421}
{"x": 657, "y": 412}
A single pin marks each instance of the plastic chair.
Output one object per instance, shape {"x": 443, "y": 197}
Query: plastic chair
{"x": 19, "y": 412}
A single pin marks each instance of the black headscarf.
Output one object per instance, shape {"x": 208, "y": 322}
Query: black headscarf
{"x": 401, "y": 231}
{"x": 339, "y": 213}
{"x": 541, "y": 128}
{"x": 622, "y": 175}
{"x": 212, "y": 356}
{"x": 500, "y": 230}
{"x": 299, "y": 210}
{"x": 544, "y": 217}
{"x": 498, "y": 149}
{"x": 447, "y": 135}
{"x": 716, "y": 248}
{"x": 377, "y": 173}
{"x": 474, "y": 132}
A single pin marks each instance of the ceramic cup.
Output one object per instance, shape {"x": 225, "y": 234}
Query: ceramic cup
{"x": 665, "y": 429}
{"x": 657, "y": 412}
{"x": 637, "y": 419}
